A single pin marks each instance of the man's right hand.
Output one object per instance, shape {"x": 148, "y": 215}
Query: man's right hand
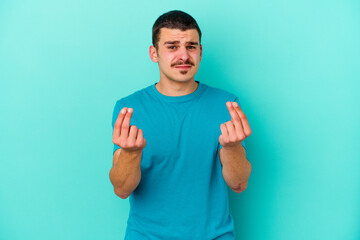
{"x": 129, "y": 138}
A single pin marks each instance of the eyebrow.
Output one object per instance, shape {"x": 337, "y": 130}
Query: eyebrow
{"x": 177, "y": 42}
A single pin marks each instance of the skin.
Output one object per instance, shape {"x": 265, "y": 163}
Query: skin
{"x": 125, "y": 173}
{"x": 178, "y": 56}
{"x": 177, "y": 48}
{"x": 236, "y": 168}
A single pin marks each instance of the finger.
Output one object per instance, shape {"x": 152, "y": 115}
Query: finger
{"x": 231, "y": 130}
{"x": 244, "y": 121}
{"x": 125, "y": 127}
{"x": 224, "y": 132}
{"x": 139, "y": 138}
{"x": 132, "y": 135}
{"x": 235, "y": 118}
{"x": 118, "y": 122}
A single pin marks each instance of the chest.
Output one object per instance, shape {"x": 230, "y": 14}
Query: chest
{"x": 174, "y": 130}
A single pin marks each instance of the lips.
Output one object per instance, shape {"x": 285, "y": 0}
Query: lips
{"x": 183, "y": 66}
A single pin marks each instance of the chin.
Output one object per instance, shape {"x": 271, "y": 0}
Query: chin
{"x": 181, "y": 80}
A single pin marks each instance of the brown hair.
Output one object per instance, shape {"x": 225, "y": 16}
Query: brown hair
{"x": 175, "y": 19}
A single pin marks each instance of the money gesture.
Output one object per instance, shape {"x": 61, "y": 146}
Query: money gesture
{"x": 236, "y": 130}
{"x": 129, "y": 138}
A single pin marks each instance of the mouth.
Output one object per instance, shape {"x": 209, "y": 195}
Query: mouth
{"x": 183, "y": 66}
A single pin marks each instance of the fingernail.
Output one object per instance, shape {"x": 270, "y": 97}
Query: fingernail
{"x": 235, "y": 104}
{"x": 130, "y": 110}
{"x": 123, "y": 111}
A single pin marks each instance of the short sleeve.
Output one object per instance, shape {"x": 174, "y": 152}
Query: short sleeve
{"x": 118, "y": 106}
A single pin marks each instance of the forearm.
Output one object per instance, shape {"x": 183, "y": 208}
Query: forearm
{"x": 236, "y": 168}
{"x": 125, "y": 175}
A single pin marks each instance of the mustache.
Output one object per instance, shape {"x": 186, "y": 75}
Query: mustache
{"x": 188, "y": 62}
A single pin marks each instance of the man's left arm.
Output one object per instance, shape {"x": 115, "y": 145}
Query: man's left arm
{"x": 236, "y": 168}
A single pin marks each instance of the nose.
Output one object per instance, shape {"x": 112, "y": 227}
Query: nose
{"x": 183, "y": 54}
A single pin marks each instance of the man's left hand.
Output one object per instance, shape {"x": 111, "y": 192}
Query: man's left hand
{"x": 236, "y": 130}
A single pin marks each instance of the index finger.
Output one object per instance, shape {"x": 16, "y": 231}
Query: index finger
{"x": 244, "y": 121}
{"x": 235, "y": 118}
{"x": 233, "y": 113}
{"x": 125, "y": 126}
{"x": 119, "y": 121}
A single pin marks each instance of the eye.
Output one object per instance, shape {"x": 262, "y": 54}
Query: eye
{"x": 171, "y": 47}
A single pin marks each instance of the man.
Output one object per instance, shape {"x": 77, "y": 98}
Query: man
{"x": 177, "y": 177}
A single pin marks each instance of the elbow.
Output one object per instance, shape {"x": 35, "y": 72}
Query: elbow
{"x": 120, "y": 194}
{"x": 116, "y": 185}
{"x": 240, "y": 188}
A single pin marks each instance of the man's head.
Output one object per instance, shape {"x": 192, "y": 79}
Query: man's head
{"x": 176, "y": 46}
{"x": 173, "y": 20}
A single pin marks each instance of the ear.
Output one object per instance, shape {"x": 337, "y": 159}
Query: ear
{"x": 153, "y": 54}
{"x": 200, "y": 52}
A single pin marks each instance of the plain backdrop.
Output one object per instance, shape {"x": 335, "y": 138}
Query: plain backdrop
{"x": 293, "y": 64}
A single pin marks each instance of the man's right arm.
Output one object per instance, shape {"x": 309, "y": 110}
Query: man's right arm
{"x": 125, "y": 173}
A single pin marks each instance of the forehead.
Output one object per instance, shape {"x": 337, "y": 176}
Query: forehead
{"x": 167, "y": 34}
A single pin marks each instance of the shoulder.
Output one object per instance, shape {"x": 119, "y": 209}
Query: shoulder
{"x": 134, "y": 97}
{"x": 219, "y": 94}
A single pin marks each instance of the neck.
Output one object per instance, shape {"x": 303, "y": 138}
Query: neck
{"x": 173, "y": 88}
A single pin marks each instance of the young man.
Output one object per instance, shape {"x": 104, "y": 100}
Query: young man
{"x": 177, "y": 178}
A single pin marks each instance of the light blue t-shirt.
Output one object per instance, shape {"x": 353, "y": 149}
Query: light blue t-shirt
{"x": 182, "y": 193}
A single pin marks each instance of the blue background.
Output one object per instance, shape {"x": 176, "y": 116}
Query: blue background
{"x": 293, "y": 64}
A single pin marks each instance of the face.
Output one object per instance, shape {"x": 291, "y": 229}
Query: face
{"x": 178, "y": 55}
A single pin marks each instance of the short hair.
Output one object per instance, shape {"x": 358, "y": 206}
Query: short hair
{"x": 175, "y": 19}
